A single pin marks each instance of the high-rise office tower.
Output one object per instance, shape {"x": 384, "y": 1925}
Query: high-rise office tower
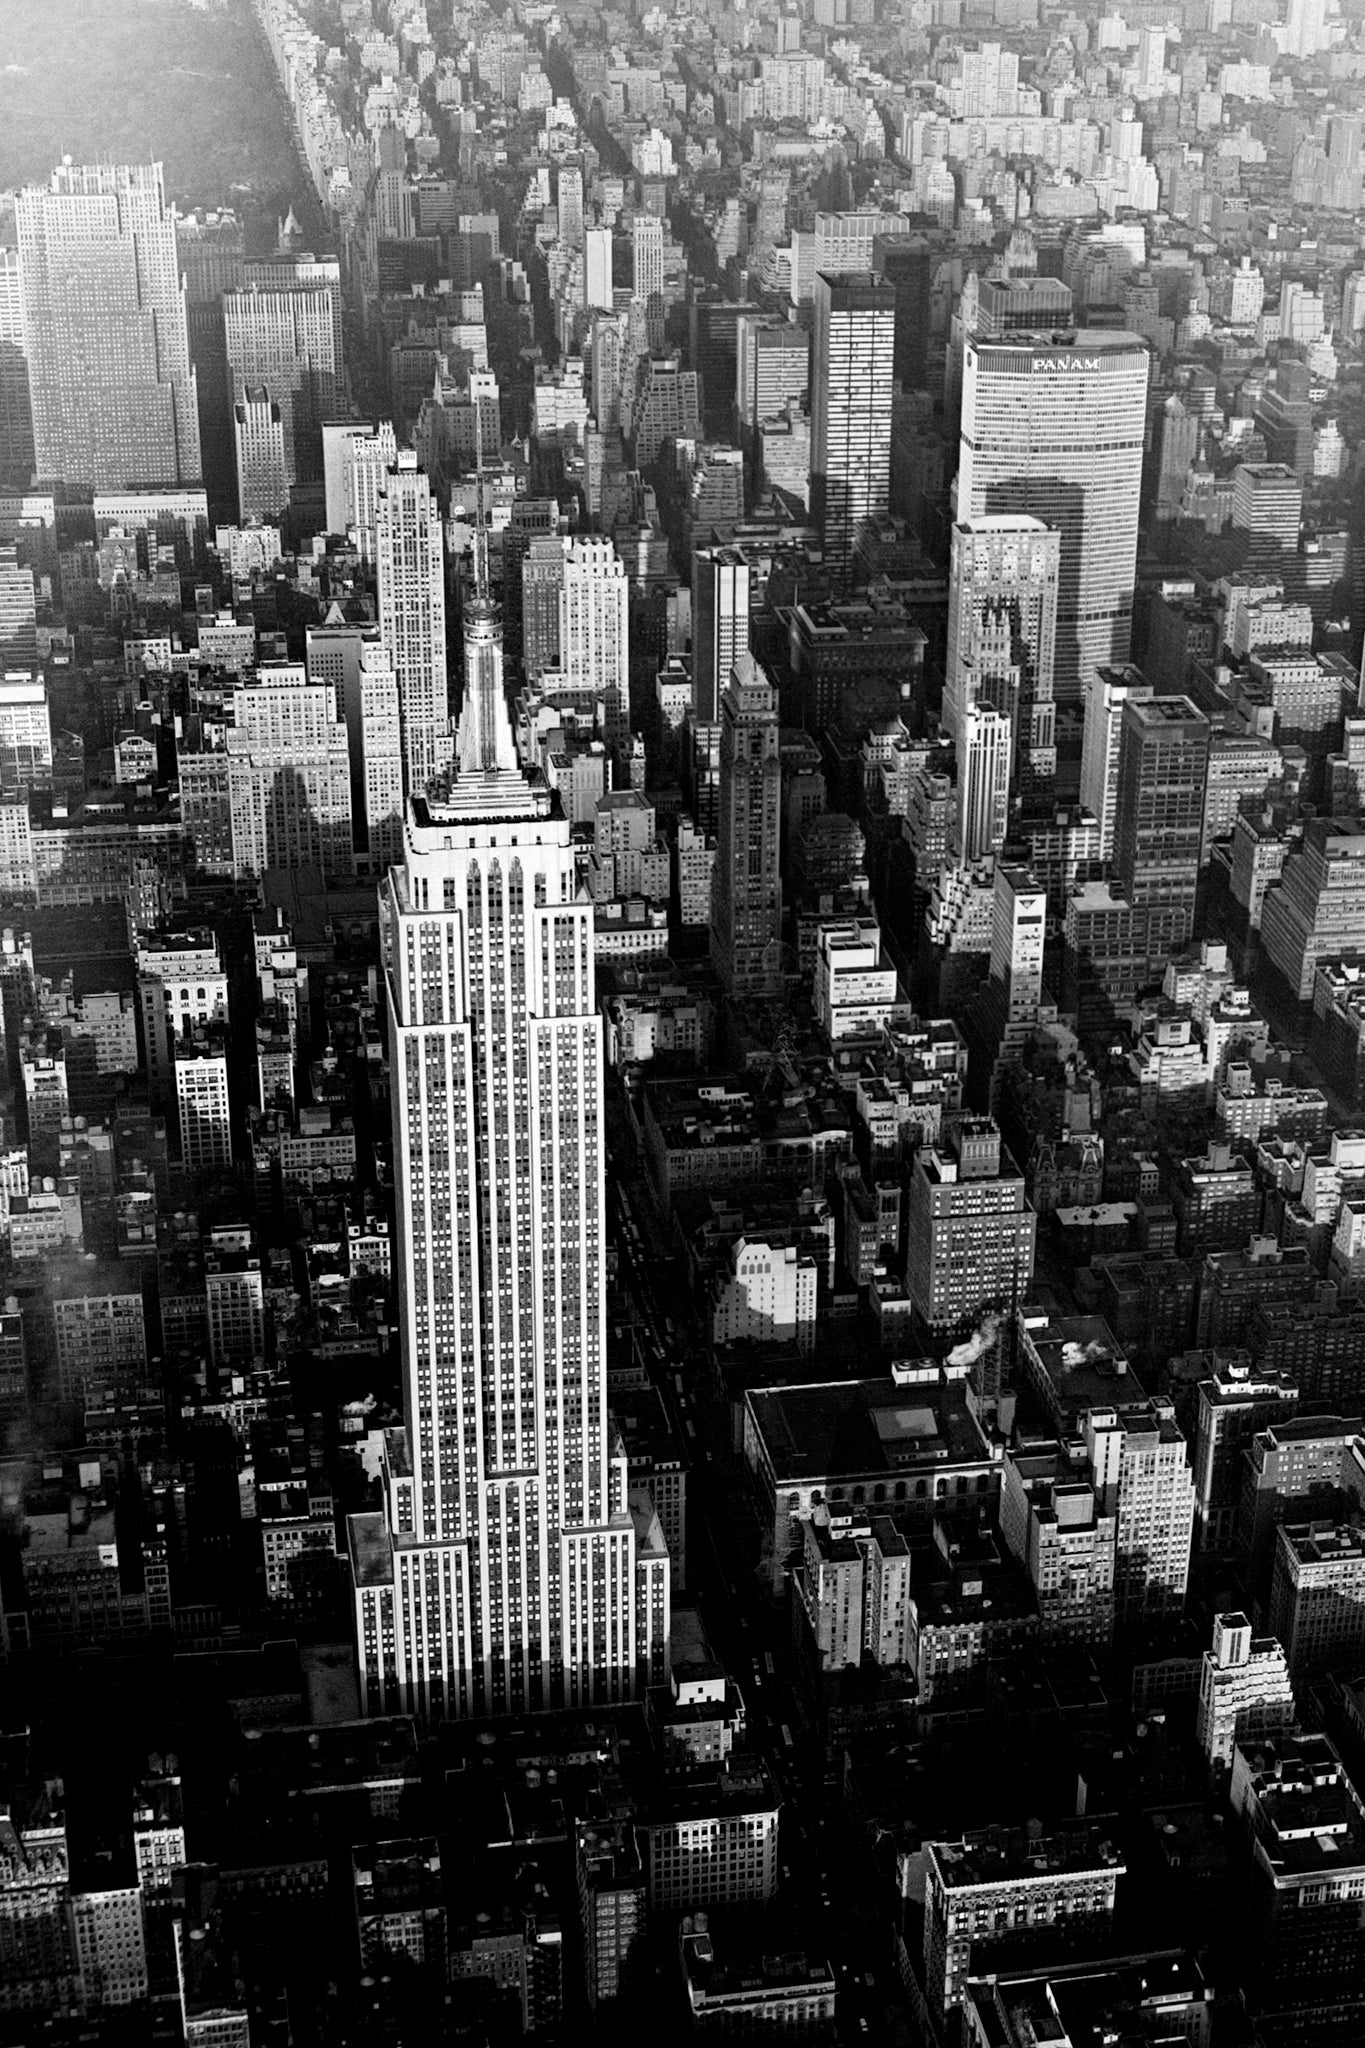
{"x": 16, "y": 409}
{"x": 597, "y": 293}
{"x": 647, "y": 256}
{"x": 1305, "y": 29}
{"x": 969, "y": 1230}
{"x": 606, "y": 351}
{"x": 201, "y": 1099}
{"x": 1002, "y": 628}
{"x": 720, "y": 625}
{"x": 283, "y": 330}
{"x": 410, "y": 551}
{"x": 1285, "y": 418}
{"x": 990, "y": 307}
{"x": 594, "y": 637}
{"x": 18, "y": 615}
{"x": 772, "y": 368}
{"x": 852, "y": 373}
{"x": 354, "y": 661}
{"x": 542, "y": 586}
{"x": 113, "y": 393}
{"x": 907, "y": 264}
{"x": 1056, "y": 429}
{"x": 1179, "y": 448}
{"x": 983, "y": 781}
{"x": 355, "y": 461}
{"x": 1159, "y": 810}
{"x": 746, "y": 895}
{"x": 182, "y": 985}
{"x": 569, "y": 200}
{"x": 212, "y": 252}
{"x": 513, "y": 1568}
{"x": 1107, "y": 691}
{"x": 262, "y": 461}
{"x": 1267, "y": 505}
{"x": 289, "y": 774}
{"x": 375, "y": 735}
{"x": 1018, "y": 927}
{"x": 25, "y": 728}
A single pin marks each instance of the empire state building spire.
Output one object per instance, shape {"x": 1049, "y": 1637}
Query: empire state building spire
{"x": 484, "y": 744}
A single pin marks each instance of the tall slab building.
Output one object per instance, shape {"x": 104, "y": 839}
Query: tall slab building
{"x": 852, "y": 380}
{"x": 721, "y": 581}
{"x": 746, "y": 891}
{"x": 410, "y": 556}
{"x": 1002, "y": 633}
{"x": 112, "y": 389}
{"x": 513, "y": 1569}
{"x": 1052, "y": 425}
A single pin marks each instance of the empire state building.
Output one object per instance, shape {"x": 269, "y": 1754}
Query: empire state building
{"x": 512, "y": 1568}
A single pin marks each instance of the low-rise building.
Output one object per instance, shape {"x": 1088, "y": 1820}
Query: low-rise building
{"x": 1056, "y": 1522}
{"x": 712, "y": 1840}
{"x": 1244, "y": 1691}
{"x": 985, "y": 1890}
{"x": 788, "y": 1994}
{"x": 611, "y": 1905}
{"x": 1156, "y": 1996}
{"x": 1317, "y": 1595}
{"x": 1306, "y": 1939}
{"x": 853, "y": 1587}
{"x": 913, "y": 1453}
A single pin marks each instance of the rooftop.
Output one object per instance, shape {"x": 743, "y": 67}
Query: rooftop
{"x": 1018, "y": 1855}
{"x": 1323, "y": 1543}
{"x": 850, "y": 1427}
{"x": 371, "y": 1554}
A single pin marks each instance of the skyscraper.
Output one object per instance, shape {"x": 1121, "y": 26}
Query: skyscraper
{"x": 992, "y": 307}
{"x": 1106, "y": 693}
{"x": 375, "y": 732}
{"x": 969, "y": 1230}
{"x": 16, "y": 411}
{"x": 720, "y": 625}
{"x": 852, "y": 373}
{"x": 1056, "y": 429}
{"x": 513, "y": 1569}
{"x": 542, "y": 586}
{"x": 1159, "y": 812}
{"x": 1179, "y": 448}
{"x": 1018, "y": 924}
{"x": 410, "y": 549}
{"x": 772, "y": 367}
{"x": 594, "y": 639}
{"x": 983, "y": 781}
{"x": 212, "y": 252}
{"x": 647, "y": 256}
{"x": 289, "y": 774}
{"x": 113, "y": 393}
{"x": 25, "y": 730}
{"x": 1002, "y": 627}
{"x": 746, "y": 900}
{"x": 355, "y": 461}
{"x": 569, "y": 195}
{"x": 18, "y": 615}
{"x": 262, "y": 464}
{"x": 359, "y": 668}
{"x": 907, "y": 264}
{"x": 283, "y": 330}
{"x": 597, "y": 293}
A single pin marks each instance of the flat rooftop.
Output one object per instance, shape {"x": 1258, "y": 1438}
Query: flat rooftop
{"x": 1323, "y": 1542}
{"x": 854, "y": 1427}
{"x": 1015, "y": 1855}
{"x": 371, "y": 1555}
